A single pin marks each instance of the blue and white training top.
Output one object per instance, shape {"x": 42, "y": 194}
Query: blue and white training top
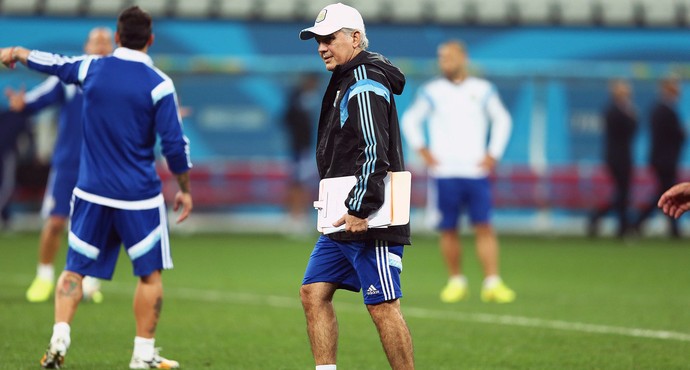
{"x": 127, "y": 101}
{"x": 69, "y": 135}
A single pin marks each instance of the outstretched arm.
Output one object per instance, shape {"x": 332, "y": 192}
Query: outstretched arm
{"x": 676, "y": 200}
{"x": 11, "y": 55}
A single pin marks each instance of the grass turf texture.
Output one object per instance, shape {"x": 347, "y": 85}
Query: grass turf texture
{"x": 232, "y": 303}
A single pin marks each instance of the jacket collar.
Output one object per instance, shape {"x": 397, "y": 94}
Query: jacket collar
{"x": 132, "y": 55}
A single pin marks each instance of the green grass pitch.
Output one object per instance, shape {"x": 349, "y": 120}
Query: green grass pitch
{"x": 232, "y": 303}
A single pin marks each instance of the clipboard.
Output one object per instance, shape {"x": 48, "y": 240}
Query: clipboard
{"x": 394, "y": 211}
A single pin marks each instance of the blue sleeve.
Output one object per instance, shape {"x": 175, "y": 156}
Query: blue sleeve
{"x": 71, "y": 70}
{"x": 50, "y": 92}
{"x": 174, "y": 145}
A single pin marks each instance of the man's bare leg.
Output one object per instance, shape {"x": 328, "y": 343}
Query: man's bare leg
{"x": 487, "y": 249}
{"x": 394, "y": 334}
{"x": 322, "y": 325}
{"x": 451, "y": 250}
{"x": 68, "y": 296}
{"x": 148, "y": 302}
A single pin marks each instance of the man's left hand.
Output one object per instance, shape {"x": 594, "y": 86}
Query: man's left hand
{"x": 352, "y": 223}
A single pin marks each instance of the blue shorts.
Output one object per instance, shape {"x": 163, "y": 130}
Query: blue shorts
{"x": 58, "y": 196}
{"x": 97, "y": 231}
{"x": 372, "y": 266}
{"x": 454, "y": 195}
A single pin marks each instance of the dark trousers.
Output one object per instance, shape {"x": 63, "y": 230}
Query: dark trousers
{"x": 621, "y": 174}
{"x": 666, "y": 178}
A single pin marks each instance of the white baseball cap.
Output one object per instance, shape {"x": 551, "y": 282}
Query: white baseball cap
{"x": 333, "y": 18}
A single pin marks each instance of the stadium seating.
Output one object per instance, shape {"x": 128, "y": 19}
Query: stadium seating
{"x": 62, "y": 7}
{"x": 618, "y": 12}
{"x": 106, "y": 8}
{"x": 659, "y": 12}
{"x": 664, "y": 13}
{"x": 19, "y": 6}
{"x": 236, "y": 9}
{"x": 495, "y": 11}
{"x": 194, "y": 9}
{"x": 575, "y": 12}
{"x": 156, "y": 8}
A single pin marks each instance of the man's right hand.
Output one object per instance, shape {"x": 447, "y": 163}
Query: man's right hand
{"x": 183, "y": 200}
{"x": 676, "y": 200}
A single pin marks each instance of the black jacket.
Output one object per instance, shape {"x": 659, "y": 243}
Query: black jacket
{"x": 621, "y": 124}
{"x": 668, "y": 137}
{"x": 359, "y": 135}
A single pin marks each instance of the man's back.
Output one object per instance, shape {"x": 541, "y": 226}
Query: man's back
{"x": 134, "y": 101}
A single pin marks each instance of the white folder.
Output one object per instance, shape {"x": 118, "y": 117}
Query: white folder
{"x": 394, "y": 211}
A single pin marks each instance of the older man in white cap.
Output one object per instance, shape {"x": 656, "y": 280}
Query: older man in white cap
{"x": 358, "y": 135}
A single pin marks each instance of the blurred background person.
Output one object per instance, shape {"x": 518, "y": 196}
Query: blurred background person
{"x": 64, "y": 166}
{"x": 620, "y": 125}
{"x": 668, "y": 137}
{"x": 300, "y": 120}
{"x": 462, "y": 112}
{"x": 12, "y": 125}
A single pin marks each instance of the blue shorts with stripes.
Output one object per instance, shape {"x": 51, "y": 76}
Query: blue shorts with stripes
{"x": 97, "y": 231}
{"x": 372, "y": 266}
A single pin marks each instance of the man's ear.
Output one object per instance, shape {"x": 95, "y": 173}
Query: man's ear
{"x": 150, "y": 42}
{"x": 356, "y": 38}
{"x": 117, "y": 39}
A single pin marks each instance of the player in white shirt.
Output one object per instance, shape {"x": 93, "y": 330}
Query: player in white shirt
{"x": 468, "y": 130}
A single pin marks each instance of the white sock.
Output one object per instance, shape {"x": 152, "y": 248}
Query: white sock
{"x": 458, "y": 279}
{"x": 61, "y": 330}
{"x": 143, "y": 347}
{"x": 45, "y": 271}
{"x": 325, "y": 367}
{"x": 491, "y": 281}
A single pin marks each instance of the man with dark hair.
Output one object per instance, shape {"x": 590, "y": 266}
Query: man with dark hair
{"x": 358, "y": 135}
{"x": 117, "y": 199}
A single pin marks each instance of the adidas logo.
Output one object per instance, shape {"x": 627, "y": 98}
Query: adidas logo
{"x": 372, "y": 290}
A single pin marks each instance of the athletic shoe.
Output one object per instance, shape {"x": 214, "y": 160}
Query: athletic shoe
{"x": 499, "y": 294}
{"x": 55, "y": 355}
{"x": 454, "y": 292}
{"x": 157, "y": 362}
{"x": 40, "y": 290}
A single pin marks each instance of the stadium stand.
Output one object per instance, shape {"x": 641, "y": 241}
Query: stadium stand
{"x": 618, "y": 12}
{"x": 575, "y": 12}
{"x": 156, "y": 8}
{"x": 20, "y": 7}
{"x": 496, "y": 12}
{"x": 63, "y": 7}
{"x": 106, "y": 8}
{"x": 614, "y": 13}
{"x": 237, "y": 9}
{"x": 194, "y": 9}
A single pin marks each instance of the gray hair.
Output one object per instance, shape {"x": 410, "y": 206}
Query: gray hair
{"x": 364, "y": 41}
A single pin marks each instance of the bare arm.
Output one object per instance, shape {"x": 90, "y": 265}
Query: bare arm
{"x": 183, "y": 197}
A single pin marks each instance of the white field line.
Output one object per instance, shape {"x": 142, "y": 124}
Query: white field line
{"x": 219, "y": 296}
{"x": 422, "y": 313}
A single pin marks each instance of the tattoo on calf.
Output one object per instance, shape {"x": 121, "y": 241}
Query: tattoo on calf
{"x": 157, "y": 307}
{"x": 69, "y": 287}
